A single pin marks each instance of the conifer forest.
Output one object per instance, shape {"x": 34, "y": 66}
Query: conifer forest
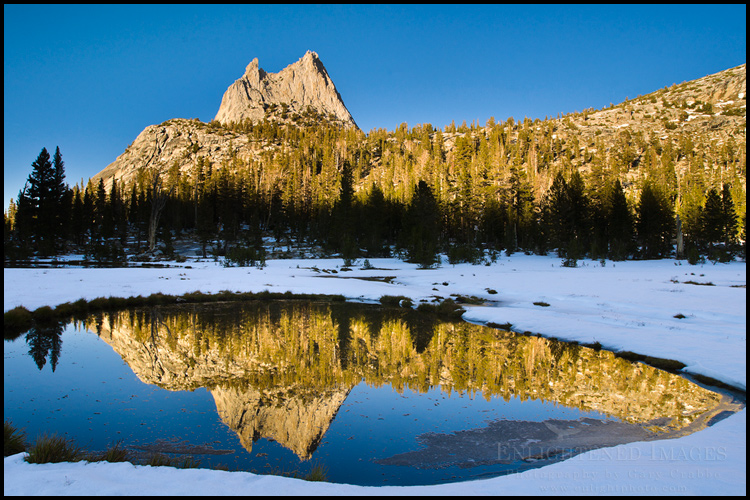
{"x": 466, "y": 192}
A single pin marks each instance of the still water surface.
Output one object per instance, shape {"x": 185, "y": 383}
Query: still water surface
{"x": 376, "y": 396}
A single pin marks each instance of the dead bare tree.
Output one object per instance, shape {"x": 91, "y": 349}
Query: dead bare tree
{"x": 158, "y": 201}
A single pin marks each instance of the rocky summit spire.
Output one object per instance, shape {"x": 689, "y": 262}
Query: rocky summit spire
{"x": 259, "y": 95}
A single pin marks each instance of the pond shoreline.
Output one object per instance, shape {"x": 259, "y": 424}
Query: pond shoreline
{"x": 627, "y": 306}
{"x": 67, "y": 311}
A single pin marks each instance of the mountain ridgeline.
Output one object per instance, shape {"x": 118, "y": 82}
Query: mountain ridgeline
{"x": 658, "y": 175}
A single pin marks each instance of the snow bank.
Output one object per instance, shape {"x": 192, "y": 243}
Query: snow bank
{"x": 623, "y": 305}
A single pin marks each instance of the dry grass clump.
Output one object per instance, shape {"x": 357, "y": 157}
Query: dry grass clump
{"x": 14, "y": 441}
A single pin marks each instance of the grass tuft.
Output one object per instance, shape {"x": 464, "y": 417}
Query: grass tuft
{"x": 196, "y": 296}
{"x": 162, "y": 460}
{"x": 44, "y": 315}
{"x": 464, "y": 299}
{"x": 664, "y": 364}
{"x": 661, "y": 363}
{"x": 14, "y": 440}
{"x": 159, "y": 460}
{"x": 396, "y": 301}
{"x": 54, "y": 449}
{"x": 318, "y": 472}
{"x": 500, "y": 326}
{"x": 16, "y": 321}
{"x": 691, "y": 282}
{"x": 447, "y": 309}
{"x": 65, "y": 310}
{"x": 113, "y": 454}
{"x": 189, "y": 462}
{"x": 81, "y": 308}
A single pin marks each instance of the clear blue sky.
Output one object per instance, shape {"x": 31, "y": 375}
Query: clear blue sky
{"x": 89, "y": 79}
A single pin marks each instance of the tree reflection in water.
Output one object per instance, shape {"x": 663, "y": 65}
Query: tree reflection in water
{"x": 45, "y": 340}
{"x": 282, "y": 369}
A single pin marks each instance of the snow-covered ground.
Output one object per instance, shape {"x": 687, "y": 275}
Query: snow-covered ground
{"x": 623, "y": 305}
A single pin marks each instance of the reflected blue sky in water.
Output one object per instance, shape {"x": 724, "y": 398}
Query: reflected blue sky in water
{"x": 95, "y": 398}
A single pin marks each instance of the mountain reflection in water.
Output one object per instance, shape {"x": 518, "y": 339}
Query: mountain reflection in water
{"x": 281, "y": 370}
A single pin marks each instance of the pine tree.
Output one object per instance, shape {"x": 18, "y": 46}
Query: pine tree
{"x": 520, "y": 202}
{"x": 569, "y": 217}
{"x": 729, "y": 217}
{"x": 116, "y": 211}
{"x": 690, "y": 210}
{"x": 712, "y": 218}
{"x": 24, "y": 221}
{"x": 557, "y": 213}
{"x": 422, "y": 227}
{"x": 104, "y": 222}
{"x": 343, "y": 234}
{"x": 77, "y": 223}
{"x": 619, "y": 223}
{"x": 8, "y": 218}
{"x": 89, "y": 222}
{"x": 580, "y": 205}
{"x": 63, "y": 198}
{"x": 43, "y": 203}
{"x": 377, "y": 220}
{"x": 18, "y": 223}
{"x": 655, "y": 223}
{"x": 718, "y": 224}
{"x": 205, "y": 225}
{"x": 598, "y": 208}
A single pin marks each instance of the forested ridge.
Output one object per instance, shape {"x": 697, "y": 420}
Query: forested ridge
{"x": 655, "y": 176}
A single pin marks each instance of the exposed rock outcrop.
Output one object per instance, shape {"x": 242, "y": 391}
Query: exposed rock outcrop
{"x": 300, "y": 93}
{"x": 177, "y": 142}
{"x": 299, "y": 85}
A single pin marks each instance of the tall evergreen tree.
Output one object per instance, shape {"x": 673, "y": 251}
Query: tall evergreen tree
{"x": 24, "y": 220}
{"x": 557, "y": 212}
{"x": 422, "y": 227}
{"x": 89, "y": 221}
{"x": 134, "y": 211}
{"x": 580, "y": 206}
{"x": 718, "y": 224}
{"x": 712, "y": 218}
{"x": 8, "y": 218}
{"x": 343, "y": 234}
{"x": 569, "y": 218}
{"x": 77, "y": 224}
{"x": 520, "y": 202}
{"x": 619, "y": 223}
{"x": 729, "y": 221}
{"x": 63, "y": 198}
{"x": 655, "y": 223}
{"x": 104, "y": 220}
{"x": 43, "y": 202}
{"x": 377, "y": 220}
{"x": 692, "y": 199}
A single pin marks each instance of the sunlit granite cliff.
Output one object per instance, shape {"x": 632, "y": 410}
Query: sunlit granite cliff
{"x": 294, "y": 88}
